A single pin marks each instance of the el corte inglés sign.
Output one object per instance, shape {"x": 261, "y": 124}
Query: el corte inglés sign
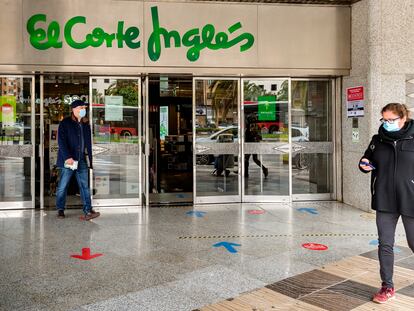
{"x": 44, "y": 34}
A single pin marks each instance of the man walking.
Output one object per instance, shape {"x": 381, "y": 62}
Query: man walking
{"x": 74, "y": 139}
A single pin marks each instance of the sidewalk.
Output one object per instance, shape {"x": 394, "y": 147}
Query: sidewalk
{"x": 342, "y": 286}
{"x": 180, "y": 258}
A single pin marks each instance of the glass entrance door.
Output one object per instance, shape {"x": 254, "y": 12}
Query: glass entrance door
{"x": 216, "y": 115}
{"x": 17, "y": 188}
{"x": 115, "y": 109}
{"x": 266, "y": 140}
{"x": 312, "y": 140}
{"x": 57, "y": 91}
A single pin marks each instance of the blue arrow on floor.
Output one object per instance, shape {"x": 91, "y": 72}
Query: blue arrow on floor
{"x": 309, "y": 210}
{"x": 228, "y": 246}
{"x": 375, "y": 242}
{"x": 196, "y": 213}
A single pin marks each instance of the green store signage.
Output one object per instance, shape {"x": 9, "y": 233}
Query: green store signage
{"x": 196, "y": 40}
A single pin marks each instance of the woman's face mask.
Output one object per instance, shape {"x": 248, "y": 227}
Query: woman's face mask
{"x": 392, "y": 122}
{"x": 391, "y": 127}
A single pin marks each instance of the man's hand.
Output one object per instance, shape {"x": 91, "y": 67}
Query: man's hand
{"x": 69, "y": 161}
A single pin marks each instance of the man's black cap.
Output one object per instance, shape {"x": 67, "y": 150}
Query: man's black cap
{"x": 77, "y": 103}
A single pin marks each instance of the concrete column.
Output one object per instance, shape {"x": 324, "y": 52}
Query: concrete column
{"x": 382, "y": 61}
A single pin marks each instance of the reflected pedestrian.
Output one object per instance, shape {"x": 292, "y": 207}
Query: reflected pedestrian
{"x": 74, "y": 140}
{"x": 390, "y": 159}
{"x": 252, "y": 136}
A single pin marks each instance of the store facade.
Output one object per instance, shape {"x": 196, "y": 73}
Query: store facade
{"x": 189, "y": 102}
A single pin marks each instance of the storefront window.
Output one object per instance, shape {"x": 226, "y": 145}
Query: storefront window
{"x": 312, "y": 161}
{"x": 15, "y": 139}
{"x": 115, "y": 110}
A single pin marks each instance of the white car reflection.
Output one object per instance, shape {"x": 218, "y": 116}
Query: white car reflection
{"x": 299, "y": 134}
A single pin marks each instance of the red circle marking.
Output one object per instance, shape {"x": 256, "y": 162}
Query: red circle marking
{"x": 315, "y": 246}
{"x": 256, "y": 212}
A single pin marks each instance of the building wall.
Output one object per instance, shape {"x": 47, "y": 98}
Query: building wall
{"x": 382, "y": 61}
{"x": 249, "y": 38}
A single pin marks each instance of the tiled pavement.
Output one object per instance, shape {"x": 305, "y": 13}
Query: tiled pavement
{"x": 341, "y": 286}
{"x": 163, "y": 259}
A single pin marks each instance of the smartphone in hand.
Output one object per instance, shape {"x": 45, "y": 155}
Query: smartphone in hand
{"x": 367, "y": 164}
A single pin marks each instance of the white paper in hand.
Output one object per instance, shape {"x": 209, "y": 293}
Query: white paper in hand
{"x": 73, "y": 167}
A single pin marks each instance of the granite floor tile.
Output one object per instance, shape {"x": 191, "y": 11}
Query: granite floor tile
{"x": 305, "y": 283}
{"x": 229, "y": 281}
{"x": 201, "y": 293}
{"x": 119, "y": 304}
{"x": 162, "y": 298}
{"x": 272, "y": 268}
{"x": 144, "y": 257}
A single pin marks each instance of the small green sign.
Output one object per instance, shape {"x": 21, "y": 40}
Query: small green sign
{"x": 267, "y": 108}
{"x": 7, "y": 110}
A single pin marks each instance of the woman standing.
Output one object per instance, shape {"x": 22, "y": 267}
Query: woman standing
{"x": 390, "y": 158}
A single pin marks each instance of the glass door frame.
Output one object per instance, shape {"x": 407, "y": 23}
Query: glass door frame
{"x": 26, "y": 204}
{"x": 267, "y": 198}
{"x": 41, "y": 154}
{"x": 216, "y": 199}
{"x": 335, "y": 103}
{"x": 114, "y": 203}
{"x": 144, "y": 145}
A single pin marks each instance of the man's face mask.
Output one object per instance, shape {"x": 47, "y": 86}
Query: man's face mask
{"x": 82, "y": 113}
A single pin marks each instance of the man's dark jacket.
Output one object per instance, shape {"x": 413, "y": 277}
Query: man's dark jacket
{"x": 69, "y": 140}
{"x": 392, "y": 180}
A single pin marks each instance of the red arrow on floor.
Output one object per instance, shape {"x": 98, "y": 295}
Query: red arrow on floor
{"x": 86, "y": 254}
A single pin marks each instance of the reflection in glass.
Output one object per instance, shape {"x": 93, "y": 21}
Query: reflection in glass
{"x": 312, "y": 164}
{"x": 216, "y": 137}
{"x": 15, "y": 131}
{"x": 266, "y": 137}
{"x": 115, "y": 107}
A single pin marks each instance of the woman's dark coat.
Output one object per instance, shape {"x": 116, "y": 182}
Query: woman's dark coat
{"x": 392, "y": 180}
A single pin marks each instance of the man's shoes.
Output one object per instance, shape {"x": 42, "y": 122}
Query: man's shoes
{"x": 90, "y": 215}
{"x": 265, "y": 171}
{"x": 384, "y": 294}
{"x": 93, "y": 212}
{"x": 61, "y": 214}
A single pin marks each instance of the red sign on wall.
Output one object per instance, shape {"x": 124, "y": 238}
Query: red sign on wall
{"x": 355, "y": 101}
{"x": 355, "y": 93}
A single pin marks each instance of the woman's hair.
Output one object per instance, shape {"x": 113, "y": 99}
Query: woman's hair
{"x": 399, "y": 109}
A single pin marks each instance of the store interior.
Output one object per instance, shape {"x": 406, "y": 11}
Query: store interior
{"x": 170, "y": 136}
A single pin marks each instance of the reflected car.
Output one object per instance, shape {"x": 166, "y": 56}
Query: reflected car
{"x": 299, "y": 134}
{"x": 205, "y": 159}
{"x": 213, "y": 137}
